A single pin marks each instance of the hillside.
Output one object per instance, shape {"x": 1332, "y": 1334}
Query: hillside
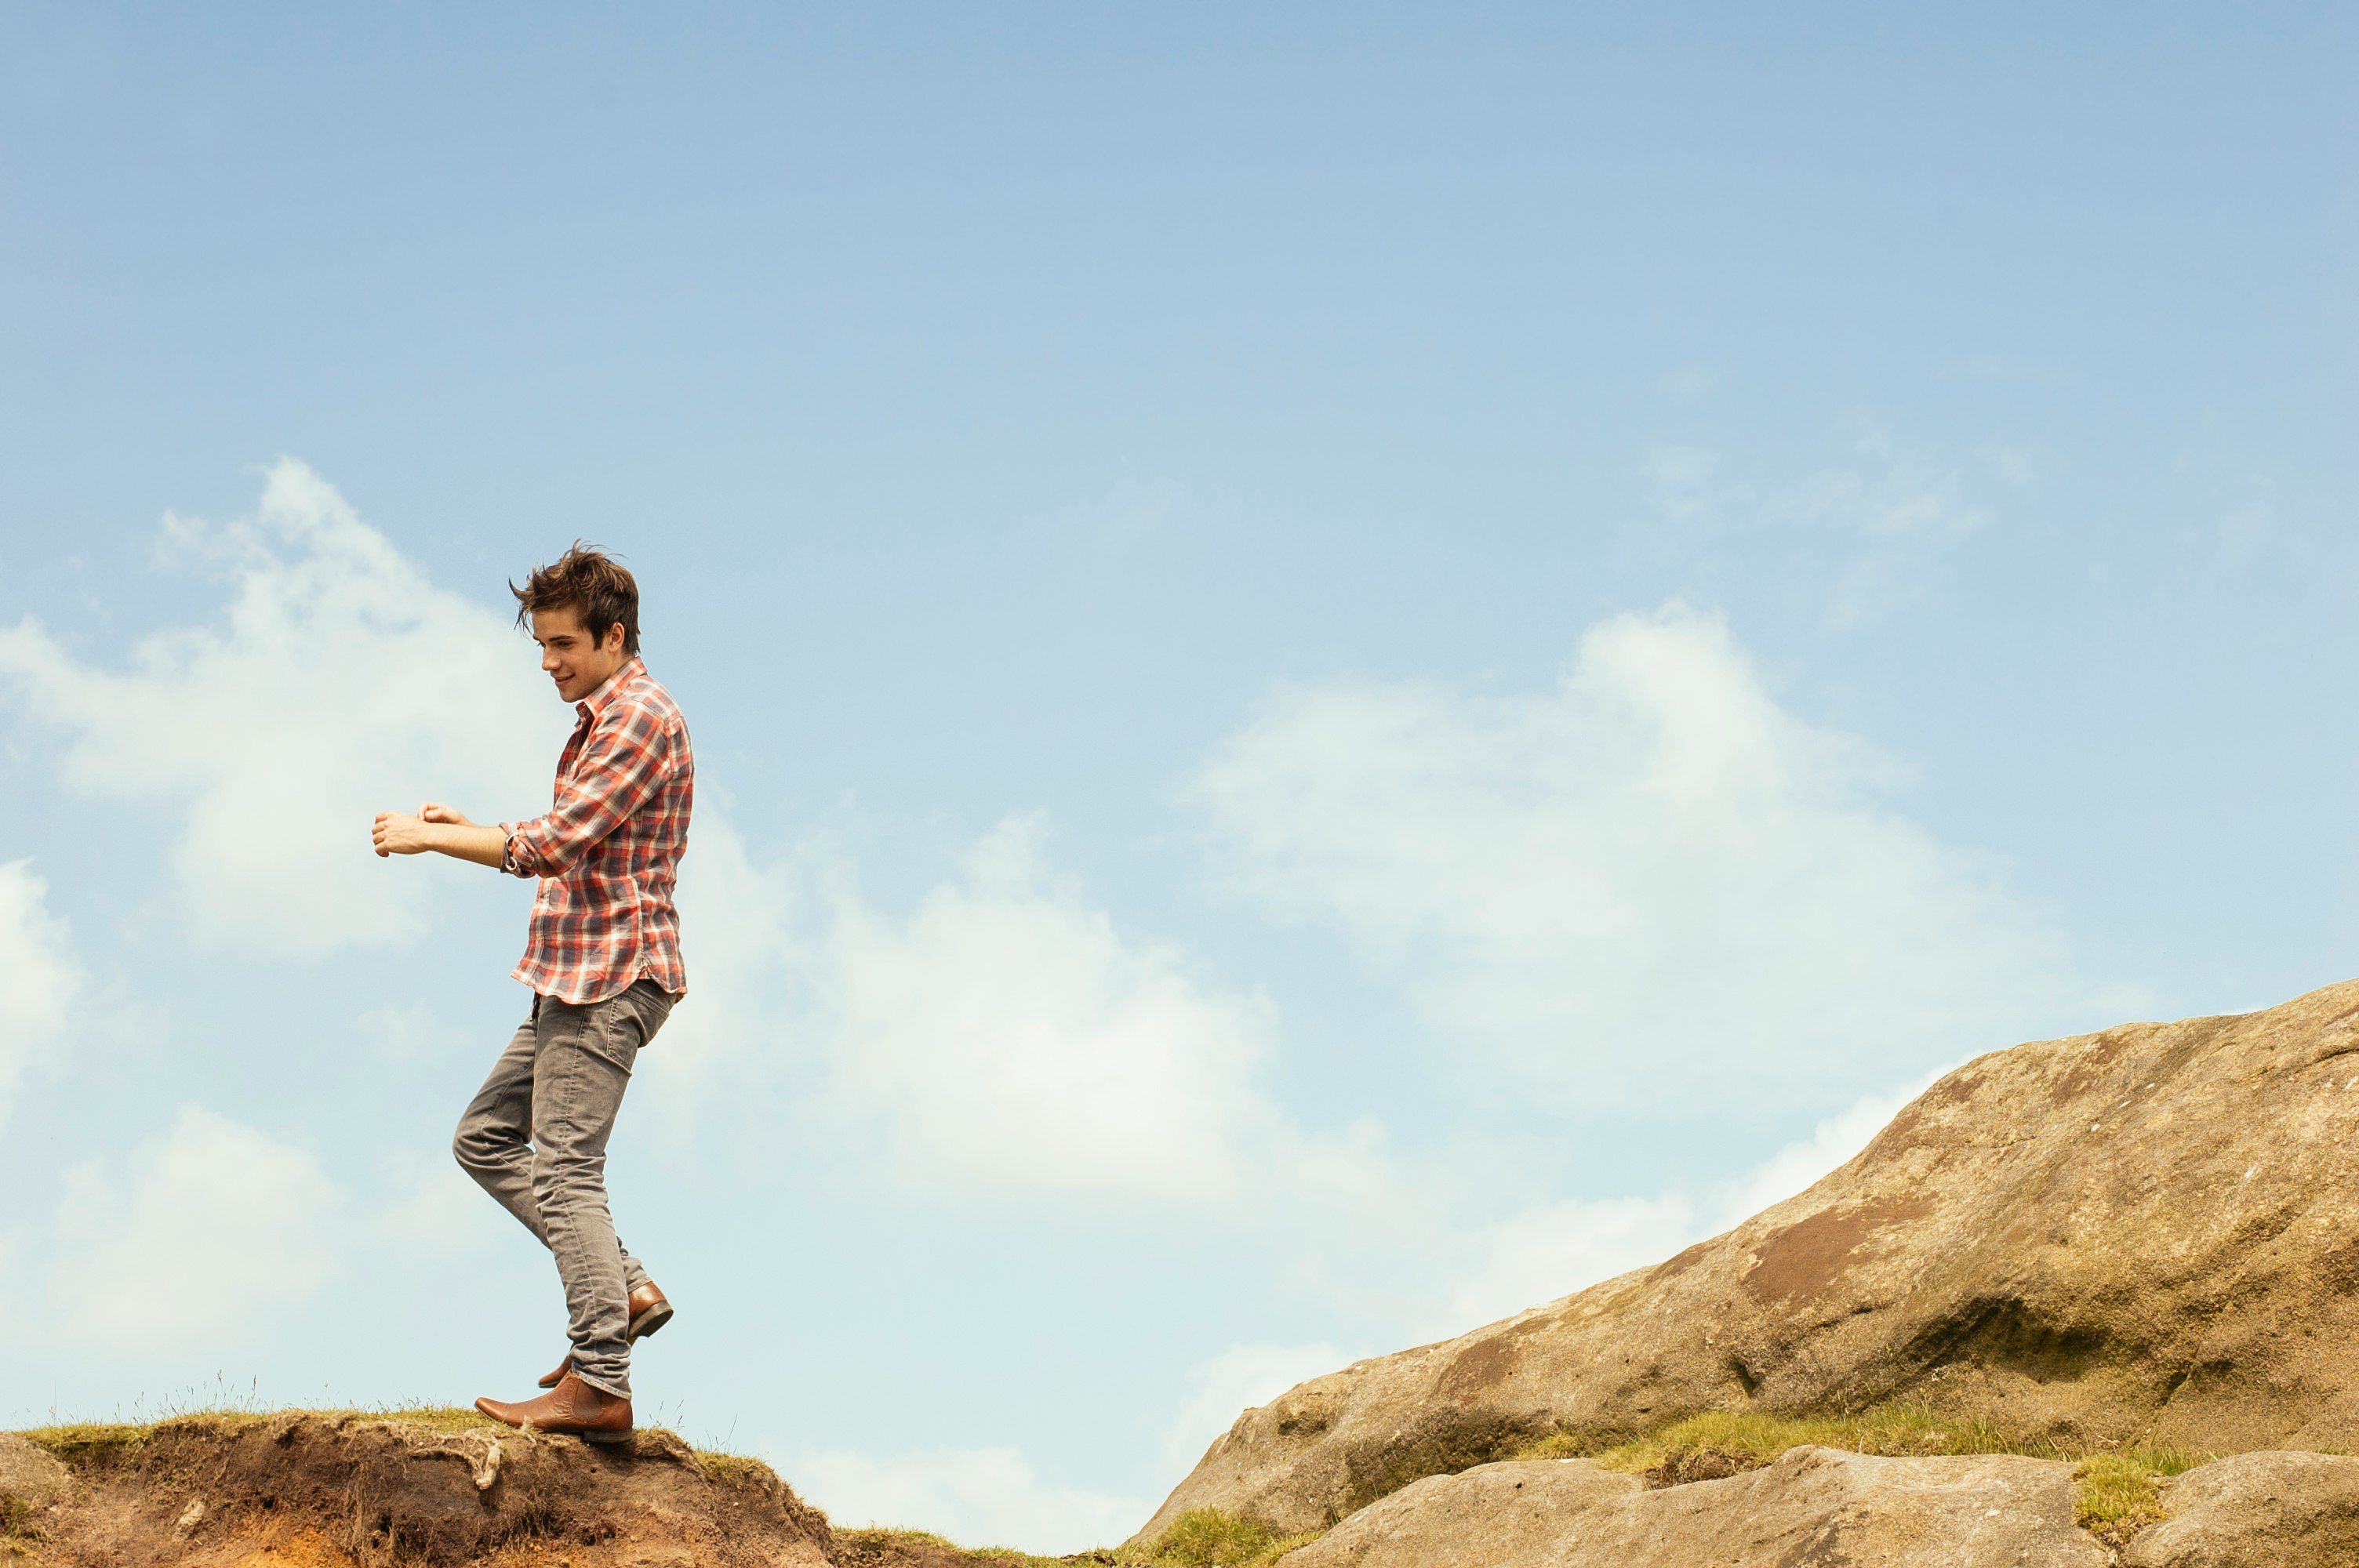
{"x": 2148, "y": 1236}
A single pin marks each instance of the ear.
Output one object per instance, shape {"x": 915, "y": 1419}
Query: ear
{"x": 613, "y": 639}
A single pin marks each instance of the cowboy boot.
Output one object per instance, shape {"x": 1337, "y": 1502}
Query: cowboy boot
{"x": 572, "y": 1408}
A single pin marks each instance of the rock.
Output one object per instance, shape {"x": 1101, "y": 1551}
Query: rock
{"x": 33, "y": 1487}
{"x": 30, "y": 1477}
{"x": 1813, "y": 1506}
{"x": 1493, "y": 1514}
{"x": 2256, "y": 1510}
{"x": 2150, "y": 1233}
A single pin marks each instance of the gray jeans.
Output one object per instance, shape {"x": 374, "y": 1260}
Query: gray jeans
{"x": 535, "y": 1138}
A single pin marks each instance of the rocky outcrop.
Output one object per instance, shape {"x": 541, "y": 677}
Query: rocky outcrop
{"x": 304, "y": 1488}
{"x": 2256, "y": 1510}
{"x": 1813, "y": 1506}
{"x": 2150, "y": 1233}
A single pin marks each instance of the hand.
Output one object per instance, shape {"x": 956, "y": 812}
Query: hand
{"x": 435, "y": 811}
{"x": 397, "y": 833}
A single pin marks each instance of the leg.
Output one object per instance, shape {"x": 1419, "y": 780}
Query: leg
{"x": 494, "y": 1141}
{"x": 583, "y": 1066}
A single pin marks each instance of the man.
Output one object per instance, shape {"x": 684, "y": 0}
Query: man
{"x": 603, "y": 960}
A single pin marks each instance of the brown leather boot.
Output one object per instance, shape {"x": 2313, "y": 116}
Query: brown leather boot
{"x": 573, "y": 1408}
{"x": 649, "y": 1311}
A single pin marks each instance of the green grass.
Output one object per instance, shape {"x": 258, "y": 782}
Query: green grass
{"x": 878, "y": 1543}
{"x": 95, "y": 1444}
{"x": 727, "y": 1468}
{"x": 2121, "y": 1493}
{"x": 1207, "y": 1538}
{"x": 2118, "y": 1489}
{"x": 92, "y": 1443}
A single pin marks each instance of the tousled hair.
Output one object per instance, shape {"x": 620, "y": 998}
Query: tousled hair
{"x": 599, "y": 589}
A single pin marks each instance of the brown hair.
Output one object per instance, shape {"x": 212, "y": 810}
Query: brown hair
{"x": 597, "y": 589}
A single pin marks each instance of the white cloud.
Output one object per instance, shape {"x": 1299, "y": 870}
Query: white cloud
{"x": 1649, "y": 885}
{"x": 977, "y": 1496}
{"x": 747, "y": 965}
{"x": 207, "y": 1230}
{"x": 343, "y": 683}
{"x": 1007, "y": 1034}
{"x": 1232, "y": 1382}
{"x": 1867, "y": 525}
{"x": 42, "y": 978}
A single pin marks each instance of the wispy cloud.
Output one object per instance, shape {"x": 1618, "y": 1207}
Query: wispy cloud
{"x": 1008, "y": 1033}
{"x": 43, "y": 976}
{"x": 1871, "y": 521}
{"x": 1649, "y": 882}
{"x": 343, "y": 683}
{"x": 208, "y": 1233}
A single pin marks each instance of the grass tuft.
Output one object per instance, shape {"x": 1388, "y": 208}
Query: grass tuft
{"x": 2121, "y": 1494}
{"x": 90, "y": 1443}
{"x": 727, "y": 1468}
{"x": 2119, "y": 1489}
{"x": 1207, "y": 1538}
{"x": 879, "y": 1546}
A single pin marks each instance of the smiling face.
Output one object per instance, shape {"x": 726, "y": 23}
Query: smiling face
{"x": 579, "y": 664}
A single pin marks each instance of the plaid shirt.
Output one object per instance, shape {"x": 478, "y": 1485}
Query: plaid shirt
{"x": 607, "y": 854}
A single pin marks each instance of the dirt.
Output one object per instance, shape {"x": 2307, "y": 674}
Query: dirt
{"x": 1700, "y": 1465}
{"x": 310, "y": 1491}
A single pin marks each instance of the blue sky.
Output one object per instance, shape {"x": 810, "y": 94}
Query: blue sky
{"x": 1350, "y": 668}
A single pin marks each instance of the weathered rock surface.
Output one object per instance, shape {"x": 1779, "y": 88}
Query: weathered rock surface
{"x": 33, "y": 1486}
{"x": 2150, "y": 1232}
{"x": 323, "y": 1490}
{"x": 1813, "y": 1506}
{"x": 2256, "y": 1510}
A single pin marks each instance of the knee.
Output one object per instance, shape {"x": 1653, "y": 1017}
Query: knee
{"x": 477, "y": 1149}
{"x": 555, "y": 1172}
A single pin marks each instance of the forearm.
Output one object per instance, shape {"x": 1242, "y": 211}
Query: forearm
{"x": 467, "y": 841}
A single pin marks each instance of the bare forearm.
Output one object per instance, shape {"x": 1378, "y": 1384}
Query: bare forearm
{"x": 441, "y": 830}
{"x": 484, "y": 845}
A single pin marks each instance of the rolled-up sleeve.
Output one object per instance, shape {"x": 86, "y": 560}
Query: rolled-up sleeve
{"x": 622, "y": 765}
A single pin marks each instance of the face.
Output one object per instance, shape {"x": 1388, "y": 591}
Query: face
{"x": 573, "y": 661}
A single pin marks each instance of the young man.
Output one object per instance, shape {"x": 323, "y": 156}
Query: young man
{"x": 603, "y": 960}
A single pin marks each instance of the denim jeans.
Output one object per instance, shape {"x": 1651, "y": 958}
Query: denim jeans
{"x": 535, "y": 1138}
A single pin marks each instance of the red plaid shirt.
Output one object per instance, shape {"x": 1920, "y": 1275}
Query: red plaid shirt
{"x": 607, "y": 854}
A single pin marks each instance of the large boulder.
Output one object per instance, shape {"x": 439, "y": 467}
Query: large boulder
{"x": 1814, "y": 1504}
{"x": 2148, "y": 1233}
{"x": 2256, "y": 1510}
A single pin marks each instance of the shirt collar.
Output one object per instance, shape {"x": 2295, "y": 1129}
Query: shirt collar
{"x": 592, "y": 706}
